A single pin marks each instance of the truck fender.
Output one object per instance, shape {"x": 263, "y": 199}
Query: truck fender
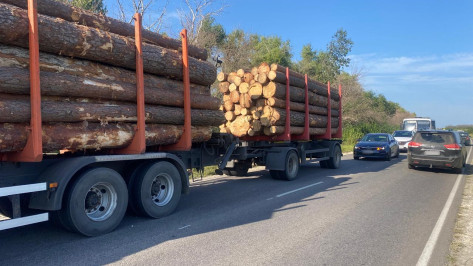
{"x": 63, "y": 171}
{"x": 276, "y": 157}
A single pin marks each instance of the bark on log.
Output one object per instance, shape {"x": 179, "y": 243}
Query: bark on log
{"x": 17, "y": 57}
{"x": 278, "y": 130}
{"x": 313, "y": 85}
{"x": 276, "y": 117}
{"x": 93, "y": 136}
{"x": 69, "y": 39}
{"x": 16, "y": 109}
{"x": 16, "y": 81}
{"x": 300, "y": 107}
{"x": 278, "y": 90}
{"x": 69, "y": 13}
{"x": 280, "y": 77}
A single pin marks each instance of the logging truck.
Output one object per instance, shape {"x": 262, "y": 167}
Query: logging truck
{"x": 86, "y": 143}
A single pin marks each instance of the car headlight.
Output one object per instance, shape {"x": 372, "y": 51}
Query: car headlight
{"x": 380, "y": 148}
{"x": 357, "y": 148}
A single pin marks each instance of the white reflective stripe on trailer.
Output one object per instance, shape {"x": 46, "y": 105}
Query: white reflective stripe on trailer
{"x": 14, "y": 190}
{"x": 17, "y": 222}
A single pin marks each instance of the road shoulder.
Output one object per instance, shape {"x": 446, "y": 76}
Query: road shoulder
{"x": 461, "y": 251}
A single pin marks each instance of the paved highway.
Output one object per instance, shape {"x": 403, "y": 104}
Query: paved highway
{"x": 368, "y": 212}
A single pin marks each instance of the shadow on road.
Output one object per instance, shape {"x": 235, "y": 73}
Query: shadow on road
{"x": 213, "y": 204}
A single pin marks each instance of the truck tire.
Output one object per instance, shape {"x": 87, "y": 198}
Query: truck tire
{"x": 334, "y": 161}
{"x": 275, "y": 174}
{"x": 240, "y": 169}
{"x": 96, "y": 202}
{"x": 157, "y": 189}
{"x": 323, "y": 164}
{"x": 291, "y": 166}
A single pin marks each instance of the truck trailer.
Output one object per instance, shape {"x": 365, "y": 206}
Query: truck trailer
{"x": 88, "y": 192}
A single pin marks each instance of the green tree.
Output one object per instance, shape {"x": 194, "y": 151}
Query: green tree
{"x": 338, "y": 49}
{"x": 270, "y": 50}
{"x": 237, "y": 50}
{"x": 96, "y": 6}
{"x": 211, "y": 35}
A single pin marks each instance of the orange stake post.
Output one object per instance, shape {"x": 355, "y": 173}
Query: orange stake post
{"x": 138, "y": 144}
{"x": 185, "y": 142}
{"x": 286, "y": 136}
{"x": 328, "y": 131}
{"x": 339, "y": 133}
{"x": 306, "y": 134}
{"x": 33, "y": 150}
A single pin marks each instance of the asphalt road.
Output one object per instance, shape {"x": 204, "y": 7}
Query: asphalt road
{"x": 368, "y": 212}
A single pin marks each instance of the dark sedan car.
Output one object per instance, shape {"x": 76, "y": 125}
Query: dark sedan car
{"x": 376, "y": 145}
{"x": 465, "y": 137}
{"x": 437, "y": 149}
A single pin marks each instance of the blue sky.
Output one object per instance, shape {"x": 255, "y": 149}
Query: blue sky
{"x": 417, "y": 53}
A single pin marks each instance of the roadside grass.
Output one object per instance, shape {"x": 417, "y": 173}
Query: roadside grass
{"x": 460, "y": 252}
{"x": 208, "y": 171}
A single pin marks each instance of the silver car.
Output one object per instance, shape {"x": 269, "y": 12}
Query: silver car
{"x": 403, "y": 137}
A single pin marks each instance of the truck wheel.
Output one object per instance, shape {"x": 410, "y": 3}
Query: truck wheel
{"x": 157, "y": 190}
{"x": 95, "y": 203}
{"x": 323, "y": 164}
{"x": 240, "y": 169}
{"x": 275, "y": 174}
{"x": 334, "y": 161}
{"x": 291, "y": 166}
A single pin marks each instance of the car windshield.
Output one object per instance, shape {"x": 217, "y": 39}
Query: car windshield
{"x": 377, "y": 138}
{"x": 402, "y": 134}
{"x": 434, "y": 137}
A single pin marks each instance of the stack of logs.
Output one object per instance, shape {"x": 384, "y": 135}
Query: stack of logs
{"x": 255, "y": 102}
{"x": 88, "y": 82}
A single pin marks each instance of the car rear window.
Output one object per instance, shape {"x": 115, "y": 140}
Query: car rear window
{"x": 402, "y": 134}
{"x": 434, "y": 138}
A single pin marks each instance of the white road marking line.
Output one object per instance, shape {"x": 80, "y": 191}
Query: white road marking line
{"x": 430, "y": 245}
{"x": 184, "y": 227}
{"x": 295, "y": 190}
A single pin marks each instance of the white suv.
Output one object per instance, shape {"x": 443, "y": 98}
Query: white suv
{"x": 403, "y": 137}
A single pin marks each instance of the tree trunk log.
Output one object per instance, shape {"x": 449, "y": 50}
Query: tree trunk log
{"x": 300, "y": 107}
{"x": 276, "y": 117}
{"x": 16, "y": 81}
{"x": 69, "y": 39}
{"x": 16, "y": 57}
{"x": 245, "y": 100}
{"x": 278, "y": 90}
{"x": 83, "y": 17}
{"x": 278, "y": 130}
{"x": 93, "y": 136}
{"x": 16, "y": 109}
{"x": 224, "y": 86}
{"x": 313, "y": 85}
{"x": 240, "y": 126}
{"x": 280, "y": 77}
{"x": 256, "y": 91}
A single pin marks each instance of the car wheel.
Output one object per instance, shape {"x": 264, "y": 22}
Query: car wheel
{"x": 397, "y": 153}
{"x": 356, "y": 157}
{"x": 457, "y": 170}
{"x": 388, "y": 156}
